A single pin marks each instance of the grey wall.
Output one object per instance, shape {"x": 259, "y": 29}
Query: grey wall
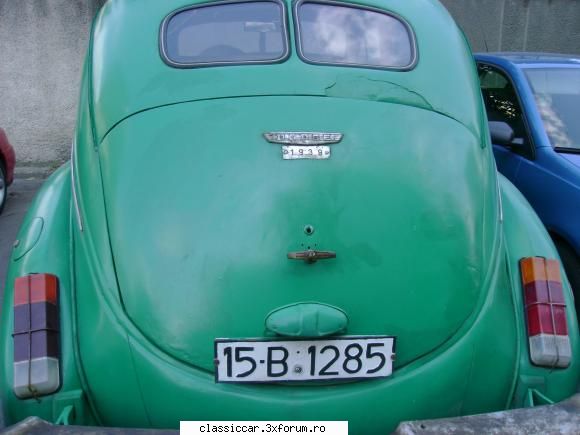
{"x": 42, "y": 44}
{"x": 519, "y": 25}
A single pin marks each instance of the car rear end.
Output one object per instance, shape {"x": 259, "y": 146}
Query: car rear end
{"x": 321, "y": 238}
{"x": 296, "y": 235}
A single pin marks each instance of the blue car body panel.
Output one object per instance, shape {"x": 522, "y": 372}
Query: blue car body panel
{"x": 550, "y": 180}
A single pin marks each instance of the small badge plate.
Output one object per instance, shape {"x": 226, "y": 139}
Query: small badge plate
{"x": 298, "y": 145}
{"x": 294, "y": 152}
{"x": 302, "y": 137}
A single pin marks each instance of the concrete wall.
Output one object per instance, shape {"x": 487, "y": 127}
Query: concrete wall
{"x": 42, "y": 44}
{"x": 519, "y": 25}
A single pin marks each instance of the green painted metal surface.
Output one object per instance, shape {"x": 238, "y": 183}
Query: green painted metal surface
{"x": 307, "y": 319}
{"x": 22, "y": 247}
{"x": 186, "y": 215}
{"x": 50, "y": 254}
{"x": 242, "y": 209}
{"x": 130, "y": 75}
{"x": 551, "y": 383}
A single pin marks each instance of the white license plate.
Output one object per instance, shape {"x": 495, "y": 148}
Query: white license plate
{"x": 254, "y": 360}
{"x": 293, "y": 152}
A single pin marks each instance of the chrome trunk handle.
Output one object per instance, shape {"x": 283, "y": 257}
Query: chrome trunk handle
{"x": 311, "y": 255}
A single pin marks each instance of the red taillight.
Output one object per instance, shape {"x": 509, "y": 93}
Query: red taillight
{"x": 36, "y": 336}
{"x": 545, "y": 312}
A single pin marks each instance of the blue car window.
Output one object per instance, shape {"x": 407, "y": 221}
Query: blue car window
{"x": 502, "y": 104}
{"x": 333, "y": 33}
{"x": 557, "y": 95}
{"x": 225, "y": 33}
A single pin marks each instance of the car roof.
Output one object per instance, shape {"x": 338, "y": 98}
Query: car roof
{"x": 532, "y": 58}
{"x": 128, "y": 75}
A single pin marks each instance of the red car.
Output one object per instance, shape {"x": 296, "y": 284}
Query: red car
{"x": 7, "y": 162}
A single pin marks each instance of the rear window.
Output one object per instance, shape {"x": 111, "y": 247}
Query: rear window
{"x": 225, "y": 33}
{"x": 334, "y": 33}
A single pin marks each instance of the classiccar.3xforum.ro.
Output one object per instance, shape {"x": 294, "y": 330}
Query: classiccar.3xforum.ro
{"x": 282, "y": 210}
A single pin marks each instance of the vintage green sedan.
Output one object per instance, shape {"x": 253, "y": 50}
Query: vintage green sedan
{"x": 281, "y": 210}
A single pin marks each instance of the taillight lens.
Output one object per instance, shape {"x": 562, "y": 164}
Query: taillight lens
{"x": 36, "y": 336}
{"x": 545, "y": 312}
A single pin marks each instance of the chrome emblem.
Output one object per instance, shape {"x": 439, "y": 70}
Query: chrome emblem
{"x": 302, "y": 138}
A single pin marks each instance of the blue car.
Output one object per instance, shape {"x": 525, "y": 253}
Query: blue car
{"x": 533, "y": 107}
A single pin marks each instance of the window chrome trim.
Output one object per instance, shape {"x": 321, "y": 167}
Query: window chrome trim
{"x": 404, "y": 22}
{"x": 186, "y": 65}
{"x": 73, "y": 185}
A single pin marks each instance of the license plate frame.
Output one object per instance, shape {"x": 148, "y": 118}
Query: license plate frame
{"x": 226, "y": 372}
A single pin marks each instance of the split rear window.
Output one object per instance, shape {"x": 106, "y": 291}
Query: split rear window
{"x": 227, "y": 33}
{"x": 334, "y": 33}
{"x": 327, "y": 32}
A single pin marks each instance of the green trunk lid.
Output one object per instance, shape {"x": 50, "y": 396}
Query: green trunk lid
{"x": 202, "y": 212}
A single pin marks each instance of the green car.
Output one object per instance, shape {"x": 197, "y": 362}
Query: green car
{"x": 281, "y": 210}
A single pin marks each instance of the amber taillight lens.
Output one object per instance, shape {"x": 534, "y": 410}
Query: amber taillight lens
{"x": 545, "y": 312}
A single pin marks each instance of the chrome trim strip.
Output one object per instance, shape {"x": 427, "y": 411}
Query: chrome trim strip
{"x": 499, "y": 200}
{"x": 73, "y": 185}
{"x": 303, "y": 137}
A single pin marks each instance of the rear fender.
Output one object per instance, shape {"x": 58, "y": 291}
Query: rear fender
{"x": 44, "y": 246}
{"x": 526, "y": 236}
